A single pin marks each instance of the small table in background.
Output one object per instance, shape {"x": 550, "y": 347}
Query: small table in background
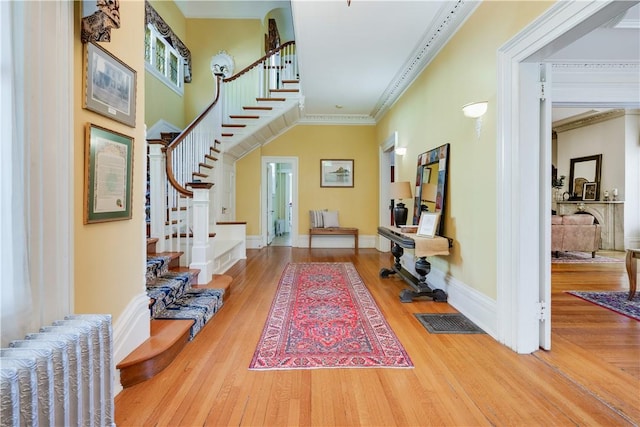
{"x": 632, "y": 270}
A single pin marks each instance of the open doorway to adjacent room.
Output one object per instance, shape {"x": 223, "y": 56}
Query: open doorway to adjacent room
{"x": 280, "y": 201}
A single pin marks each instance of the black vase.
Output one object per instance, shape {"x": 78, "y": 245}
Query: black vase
{"x": 400, "y": 213}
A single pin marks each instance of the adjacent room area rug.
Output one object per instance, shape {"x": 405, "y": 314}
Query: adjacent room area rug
{"x": 580, "y": 258}
{"x": 613, "y": 300}
{"x": 323, "y": 316}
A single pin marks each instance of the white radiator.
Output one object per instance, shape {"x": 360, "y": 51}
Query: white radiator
{"x": 61, "y": 376}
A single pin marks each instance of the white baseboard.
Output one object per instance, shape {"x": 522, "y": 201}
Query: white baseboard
{"x": 477, "y": 307}
{"x": 130, "y": 330}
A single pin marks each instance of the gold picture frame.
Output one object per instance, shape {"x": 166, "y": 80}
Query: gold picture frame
{"x": 108, "y": 175}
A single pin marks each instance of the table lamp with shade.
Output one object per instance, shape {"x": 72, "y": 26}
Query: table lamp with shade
{"x": 399, "y": 191}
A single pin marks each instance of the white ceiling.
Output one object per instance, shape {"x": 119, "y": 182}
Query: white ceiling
{"x": 355, "y": 60}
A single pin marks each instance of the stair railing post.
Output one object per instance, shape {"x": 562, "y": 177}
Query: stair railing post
{"x": 201, "y": 251}
{"x": 158, "y": 193}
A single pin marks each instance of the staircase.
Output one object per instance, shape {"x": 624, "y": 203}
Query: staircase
{"x": 179, "y": 310}
{"x": 184, "y": 287}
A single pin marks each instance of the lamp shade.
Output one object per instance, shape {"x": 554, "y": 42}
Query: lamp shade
{"x": 428, "y": 192}
{"x": 400, "y": 190}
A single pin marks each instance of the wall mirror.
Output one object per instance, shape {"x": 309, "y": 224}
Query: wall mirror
{"x": 583, "y": 170}
{"x": 431, "y": 183}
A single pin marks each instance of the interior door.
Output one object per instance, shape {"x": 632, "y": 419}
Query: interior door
{"x": 271, "y": 194}
{"x": 226, "y": 197}
{"x": 545, "y": 173}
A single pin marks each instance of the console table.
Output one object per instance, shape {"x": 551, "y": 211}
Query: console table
{"x": 423, "y": 247}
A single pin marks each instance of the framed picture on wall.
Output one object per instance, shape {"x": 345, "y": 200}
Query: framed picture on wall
{"x": 336, "y": 173}
{"x": 108, "y": 175}
{"x": 110, "y": 86}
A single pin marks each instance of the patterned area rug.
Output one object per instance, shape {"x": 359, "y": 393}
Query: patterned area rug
{"x": 613, "y": 300}
{"x": 323, "y": 316}
{"x": 580, "y": 258}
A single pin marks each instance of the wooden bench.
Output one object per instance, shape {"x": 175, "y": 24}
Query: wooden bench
{"x": 334, "y": 231}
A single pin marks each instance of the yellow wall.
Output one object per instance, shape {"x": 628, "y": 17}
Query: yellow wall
{"x": 109, "y": 257}
{"x": 243, "y": 39}
{"x": 429, "y": 114}
{"x": 357, "y": 206}
{"x": 166, "y": 105}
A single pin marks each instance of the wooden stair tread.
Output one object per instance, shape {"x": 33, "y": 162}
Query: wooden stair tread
{"x": 164, "y": 334}
{"x": 284, "y": 90}
{"x": 271, "y": 99}
{"x": 261, "y": 108}
{"x": 238, "y": 116}
{"x": 219, "y": 281}
{"x": 234, "y": 125}
{"x": 168, "y": 338}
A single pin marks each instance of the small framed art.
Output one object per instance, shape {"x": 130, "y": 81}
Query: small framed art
{"x": 589, "y": 190}
{"x": 336, "y": 173}
{"x": 108, "y": 175}
{"x": 110, "y": 86}
{"x": 428, "y": 224}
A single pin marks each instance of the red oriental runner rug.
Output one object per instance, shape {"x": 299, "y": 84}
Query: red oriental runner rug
{"x": 323, "y": 316}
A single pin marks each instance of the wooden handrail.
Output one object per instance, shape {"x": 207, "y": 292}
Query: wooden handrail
{"x": 198, "y": 119}
{"x": 259, "y": 61}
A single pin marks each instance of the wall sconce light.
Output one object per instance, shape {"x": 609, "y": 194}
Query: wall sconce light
{"x": 401, "y": 151}
{"x": 476, "y": 110}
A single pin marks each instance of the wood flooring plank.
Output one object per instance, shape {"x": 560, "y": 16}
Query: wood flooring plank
{"x": 591, "y": 376}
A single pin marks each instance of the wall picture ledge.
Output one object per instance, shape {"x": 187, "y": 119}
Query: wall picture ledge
{"x": 110, "y": 86}
{"x": 108, "y": 175}
{"x": 97, "y": 26}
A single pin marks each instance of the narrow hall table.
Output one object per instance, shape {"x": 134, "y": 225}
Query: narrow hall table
{"x": 423, "y": 247}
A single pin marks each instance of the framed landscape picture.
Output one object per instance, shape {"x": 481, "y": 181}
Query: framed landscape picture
{"x": 110, "y": 86}
{"x": 108, "y": 175}
{"x": 336, "y": 173}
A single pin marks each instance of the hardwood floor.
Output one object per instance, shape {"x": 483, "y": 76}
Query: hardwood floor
{"x": 591, "y": 377}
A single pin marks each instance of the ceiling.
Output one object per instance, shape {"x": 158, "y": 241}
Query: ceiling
{"x": 371, "y": 50}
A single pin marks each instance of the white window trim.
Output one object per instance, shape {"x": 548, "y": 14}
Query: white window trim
{"x": 151, "y": 67}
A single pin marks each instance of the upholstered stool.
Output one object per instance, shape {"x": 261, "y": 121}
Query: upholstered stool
{"x": 632, "y": 270}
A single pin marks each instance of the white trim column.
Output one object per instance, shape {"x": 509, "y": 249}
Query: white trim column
{"x": 158, "y": 194}
{"x": 201, "y": 251}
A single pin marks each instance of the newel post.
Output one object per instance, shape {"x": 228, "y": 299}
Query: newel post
{"x": 157, "y": 193}
{"x": 200, "y": 258}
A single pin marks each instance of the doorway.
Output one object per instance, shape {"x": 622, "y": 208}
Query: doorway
{"x": 279, "y": 201}
{"x": 524, "y": 251}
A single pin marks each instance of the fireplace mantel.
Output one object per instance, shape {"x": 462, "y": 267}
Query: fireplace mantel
{"x": 610, "y": 216}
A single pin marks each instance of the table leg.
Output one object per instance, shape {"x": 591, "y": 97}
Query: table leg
{"x": 422, "y": 267}
{"x": 632, "y": 272}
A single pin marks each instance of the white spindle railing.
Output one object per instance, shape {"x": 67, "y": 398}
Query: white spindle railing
{"x": 259, "y": 78}
{"x": 186, "y": 152}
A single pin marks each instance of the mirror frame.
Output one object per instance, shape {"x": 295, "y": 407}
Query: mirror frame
{"x": 438, "y": 155}
{"x": 598, "y": 159}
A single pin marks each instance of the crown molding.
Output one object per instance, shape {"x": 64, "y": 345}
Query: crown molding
{"x": 451, "y": 17}
{"x": 586, "y": 119}
{"x": 336, "y": 119}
